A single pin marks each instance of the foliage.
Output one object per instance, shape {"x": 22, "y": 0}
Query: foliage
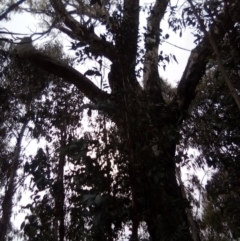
{"x": 221, "y": 208}
{"x": 215, "y": 134}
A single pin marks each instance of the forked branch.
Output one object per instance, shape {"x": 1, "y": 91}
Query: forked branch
{"x": 198, "y": 60}
{"x": 217, "y": 54}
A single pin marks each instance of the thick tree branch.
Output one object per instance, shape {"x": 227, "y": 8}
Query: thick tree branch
{"x": 83, "y": 33}
{"x": 69, "y": 74}
{"x": 152, "y": 42}
{"x": 122, "y": 74}
{"x": 130, "y": 26}
{"x": 198, "y": 60}
{"x": 62, "y": 70}
{"x": 127, "y": 42}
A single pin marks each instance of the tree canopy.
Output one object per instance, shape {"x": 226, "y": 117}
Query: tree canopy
{"x": 111, "y": 145}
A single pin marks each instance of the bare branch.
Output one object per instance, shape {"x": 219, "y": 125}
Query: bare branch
{"x": 130, "y": 24}
{"x": 83, "y": 33}
{"x": 176, "y": 46}
{"x": 123, "y": 69}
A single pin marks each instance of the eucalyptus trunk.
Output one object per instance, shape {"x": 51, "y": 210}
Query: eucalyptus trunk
{"x": 7, "y": 203}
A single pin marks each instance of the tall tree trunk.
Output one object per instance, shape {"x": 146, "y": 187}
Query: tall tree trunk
{"x": 166, "y": 217}
{"x": 8, "y": 197}
{"x": 59, "y": 194}
{"x": 159, "y": 200}
{"x": 59, "y": 228}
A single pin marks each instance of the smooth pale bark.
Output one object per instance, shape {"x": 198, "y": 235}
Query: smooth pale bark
{"x": 10, "y": 188}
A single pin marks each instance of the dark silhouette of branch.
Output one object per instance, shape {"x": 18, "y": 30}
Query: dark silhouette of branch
{"x": 62, "y": 70}
{"x": 152, "y": 43}
{"x": 98, "y": 46}
{"x": 11, "y": 8}
{"x": 176, "y": 46}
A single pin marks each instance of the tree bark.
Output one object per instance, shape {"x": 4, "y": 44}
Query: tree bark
{"x": 9, "y": 193}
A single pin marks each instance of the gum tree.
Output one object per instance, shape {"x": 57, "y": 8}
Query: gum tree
{"x": 147, "y": 123}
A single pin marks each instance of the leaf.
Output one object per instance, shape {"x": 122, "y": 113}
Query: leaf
{"x": 99, "y": 200}
{"x": 160, "y": 58}
{"x": 89, "y": 199}
{"x": 26, "y": 167}
{"x": 97, "y": 73}
{"x": 103, "y": 37}
{"x": 89, "y": 113}
{"x": 31, "y": 218}
{"x": 96, "y": 219}
{"x": 174, "y": 57}
{"x": 80, "y": 44}
{"x": 167, "y": 58}
{"x": 89, "y": 72}
{"x": 22, "y": 225}
{"x": 178, "y": 159}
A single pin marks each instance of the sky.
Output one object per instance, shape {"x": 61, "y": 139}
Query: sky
{"x": 24, "y": 23}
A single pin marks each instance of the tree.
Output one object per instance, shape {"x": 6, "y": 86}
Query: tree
{"x": 148, "y": 126}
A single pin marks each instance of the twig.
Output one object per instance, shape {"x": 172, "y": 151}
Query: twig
{"x": 177, "y": 46}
